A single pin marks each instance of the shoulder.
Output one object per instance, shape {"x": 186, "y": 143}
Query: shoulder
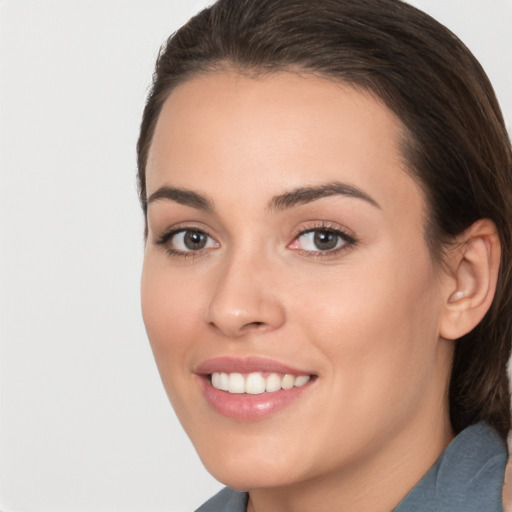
{"x": 226, "y": 500}
{"x": 473, "y": 472}
{"x": 467, "y": 477}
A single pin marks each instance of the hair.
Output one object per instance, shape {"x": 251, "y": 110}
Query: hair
{"x": 456, "y": 144}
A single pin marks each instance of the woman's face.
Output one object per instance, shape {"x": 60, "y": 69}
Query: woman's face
{"x": 286, "y": 238}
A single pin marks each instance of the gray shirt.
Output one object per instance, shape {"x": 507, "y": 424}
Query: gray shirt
{"x": 468, "y": 477}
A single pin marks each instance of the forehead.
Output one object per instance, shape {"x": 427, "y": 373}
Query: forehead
{"x": 223, "y": 130}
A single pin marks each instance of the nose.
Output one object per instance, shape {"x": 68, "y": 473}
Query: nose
{"x": 245, "y": 299}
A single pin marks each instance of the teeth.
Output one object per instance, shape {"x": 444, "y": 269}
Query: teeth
{"x": 220, "y": 381}
{"x": 273, "y": 383}
{"x": 301, "y": 380}
{"x": 288, "y": 382}
{"x": 236, "y": 383}
{"x": 255, "y": 383}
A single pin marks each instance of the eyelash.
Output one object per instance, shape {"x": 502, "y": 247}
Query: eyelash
{"x": 166, "y": 237}
{"x": 348, "y": 241}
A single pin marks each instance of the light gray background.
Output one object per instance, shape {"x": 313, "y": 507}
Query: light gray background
{"x": 84, "y": 422}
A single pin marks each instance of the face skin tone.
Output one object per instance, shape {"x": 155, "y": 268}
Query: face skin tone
{"x": 284, "y": 225}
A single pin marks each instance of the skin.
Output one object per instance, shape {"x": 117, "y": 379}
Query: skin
{"x": 366, "y": 320}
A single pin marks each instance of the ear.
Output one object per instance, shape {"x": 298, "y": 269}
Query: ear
{"x": 472, "y": 273}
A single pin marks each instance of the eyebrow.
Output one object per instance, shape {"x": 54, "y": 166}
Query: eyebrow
{"x": 303, "y": 195}
{"x": 295, "y": 197}
{"x": 182, "y": 196}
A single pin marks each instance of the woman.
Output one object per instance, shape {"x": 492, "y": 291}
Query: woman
{"x": 326, "y": 286}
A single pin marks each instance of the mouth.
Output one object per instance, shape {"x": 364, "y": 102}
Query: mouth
{"x": 251, "y": 388}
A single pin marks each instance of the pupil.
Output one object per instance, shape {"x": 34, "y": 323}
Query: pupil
{"x": 194, "y": 240}
{"x": 325, "y": 240}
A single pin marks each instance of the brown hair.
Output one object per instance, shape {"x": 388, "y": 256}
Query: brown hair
{"x": 457, "y": 146}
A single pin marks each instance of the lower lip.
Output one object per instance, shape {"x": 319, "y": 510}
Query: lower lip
{"x": 250, "y": 407}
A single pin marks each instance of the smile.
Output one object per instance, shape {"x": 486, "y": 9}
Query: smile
{"x": 252, "y": 388}
{"x": 256, "y": 383}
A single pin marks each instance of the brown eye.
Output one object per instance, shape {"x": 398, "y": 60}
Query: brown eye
{"x": 322, "y": 240}
{"x": 186, "y": 241}
{"x": 195, "y": 240}
{"x": 325, "y": 240}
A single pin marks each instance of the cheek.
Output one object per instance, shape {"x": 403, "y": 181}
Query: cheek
{"x": 377, "y": 324}
{"x": 171, "y": 311}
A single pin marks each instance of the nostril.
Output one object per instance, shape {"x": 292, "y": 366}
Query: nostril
{"x": 253, "y": 325}
{"x": 245, "y": 327}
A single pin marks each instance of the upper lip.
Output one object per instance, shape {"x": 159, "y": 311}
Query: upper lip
{"x": 246, "y": 365}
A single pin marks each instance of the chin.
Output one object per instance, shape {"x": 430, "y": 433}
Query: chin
{"x": 249, "y": 465}
{"x": 247, "y": 476}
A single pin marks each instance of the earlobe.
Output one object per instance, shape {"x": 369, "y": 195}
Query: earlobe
{"x": 473, "y": 265}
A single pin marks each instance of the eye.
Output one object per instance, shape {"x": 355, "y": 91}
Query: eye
{"x": 321, "y": 240}
{"x": 185, "y": 241}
